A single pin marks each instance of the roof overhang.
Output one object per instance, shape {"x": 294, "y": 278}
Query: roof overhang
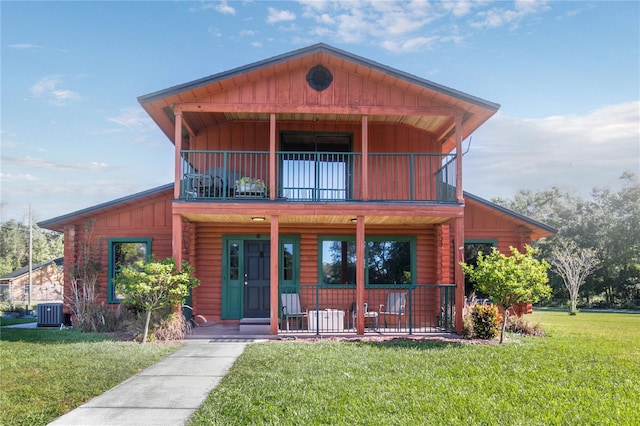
{"x": 438, "y": 116}
{"x": 536, "y": 229}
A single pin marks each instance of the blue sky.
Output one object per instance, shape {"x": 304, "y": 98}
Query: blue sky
{"x": 567, "y": 75}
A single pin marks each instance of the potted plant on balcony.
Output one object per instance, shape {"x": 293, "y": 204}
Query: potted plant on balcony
{"x": 248, "y": 186}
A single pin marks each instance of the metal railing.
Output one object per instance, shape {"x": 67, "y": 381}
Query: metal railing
{"x": 319, "y": 176}
{"x": 416, "y": 309}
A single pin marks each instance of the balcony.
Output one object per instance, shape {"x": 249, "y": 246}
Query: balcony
{"x": 317, "y": 177}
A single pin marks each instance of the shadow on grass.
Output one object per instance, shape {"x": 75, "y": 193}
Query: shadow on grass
{"x": 410, "y": 343}
{"x": 50, "y": 336}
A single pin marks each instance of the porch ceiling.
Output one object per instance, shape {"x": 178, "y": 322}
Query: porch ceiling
{"x": 332, "y": 220}
{"x": 433, "y": 124}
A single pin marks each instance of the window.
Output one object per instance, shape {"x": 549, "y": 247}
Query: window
{"x": 122, "y": 253}
{"x": 390, "y": 261}
{"x": 315, "y": 166}
{"x": 338, "y": 261}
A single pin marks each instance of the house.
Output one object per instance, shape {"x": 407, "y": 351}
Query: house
{"x": 318, "y": 174}
{"x": 46, "y": 284}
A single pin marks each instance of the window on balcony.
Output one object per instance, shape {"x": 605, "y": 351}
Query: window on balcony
{"x": 315, "y": 166}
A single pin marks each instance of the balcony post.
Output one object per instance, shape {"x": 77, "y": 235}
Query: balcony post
{"x": 272, "y": 156}
{"x": 273, "y": 273}
{"x": 176, "y": 239}
{"x": 459, "y": 195}
{"x": 360, "y": 276}
{"x": 458, "y": 248}
{"x": 364, "y": 167}
{"x": 178, "y": 144}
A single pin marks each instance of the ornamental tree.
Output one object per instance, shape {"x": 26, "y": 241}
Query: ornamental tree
{"x": 509, "y": 280}
{"x": 574, "y": 265}
{"x": 152, "y": 285}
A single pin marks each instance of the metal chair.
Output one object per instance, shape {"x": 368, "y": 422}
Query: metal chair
{"x": 395, "y": 306}
{"x": 367, "y": 314}
{"x": 291, "y": 308}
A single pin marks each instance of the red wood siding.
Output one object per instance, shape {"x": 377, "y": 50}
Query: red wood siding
{"x": 207, "y": 297}
{"x": 481, "y": 223}
{"x": 148, "y": 218}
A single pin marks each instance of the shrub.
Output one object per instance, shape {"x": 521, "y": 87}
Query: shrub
{"x": 520, "y": 325}
{"x": 486, "y": 321}
{"x": 467, "y": 319}
{"x": 171, "y": 328}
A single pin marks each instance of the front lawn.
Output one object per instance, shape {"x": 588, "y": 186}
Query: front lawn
{"x": 587, "y": 371}
{"x": 46, "y": 373}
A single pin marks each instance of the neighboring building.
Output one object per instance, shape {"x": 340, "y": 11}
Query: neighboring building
{"x": 46, "y": 284}
{"x": 317, "y": 173}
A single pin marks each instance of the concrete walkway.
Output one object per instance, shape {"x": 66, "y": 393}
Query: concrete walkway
{"x": 167, "y": 393}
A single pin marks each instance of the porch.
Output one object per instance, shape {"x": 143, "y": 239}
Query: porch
{"x": 317, "y": 176}
{"x": 423, "y": 309}
{"x": 388, "y": 309}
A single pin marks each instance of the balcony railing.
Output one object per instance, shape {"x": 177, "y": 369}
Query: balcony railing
{"x": 319, "y": 176}
{"x": 423, "y": 308}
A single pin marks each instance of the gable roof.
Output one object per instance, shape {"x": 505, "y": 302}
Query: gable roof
{"x": 538, "y": 229}
{"x": 427, "y": 105}
{"x": 58, "y": 223}
{"x": 25, "y": 270}
{"x": 305, "y": 51}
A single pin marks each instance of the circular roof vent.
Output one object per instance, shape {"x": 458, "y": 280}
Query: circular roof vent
{"x": 319, "y": 78}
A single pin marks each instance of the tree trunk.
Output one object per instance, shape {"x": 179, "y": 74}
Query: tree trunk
{"x": 505, "y": 316}
{"x": 146, "y": 327}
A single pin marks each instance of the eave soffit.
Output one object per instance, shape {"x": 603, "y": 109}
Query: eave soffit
{"x": 160, "y": 104}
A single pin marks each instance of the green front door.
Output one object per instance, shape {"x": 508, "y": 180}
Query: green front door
{"x": 246, "y": 274}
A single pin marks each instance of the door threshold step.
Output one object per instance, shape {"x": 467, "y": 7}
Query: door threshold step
{"x": 255, "y": 321}
{"x": 255, "y": 325}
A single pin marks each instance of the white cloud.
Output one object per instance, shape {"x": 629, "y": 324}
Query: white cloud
{"x": 573, "y": 152}
{"x": 24, "y": 46}
{"x": 42, "y": 163}
{"x": 221, "y": 7}
{"x": 504, "y": 15}
{"x": 49, "y": 88}
{"x": 276, "y": 16}
{"x": 132, "y": 118}
{"x": 224, "y": 8}
{"x": 21, "y": 177}
{"x": 410, "y": 26}
{"x": 7, "y": 143}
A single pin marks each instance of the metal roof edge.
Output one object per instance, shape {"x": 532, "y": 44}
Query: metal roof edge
{"x": 92, "y": 209}
{"x": 511, "y": 213}
{"x": 25, "y": 269}
{"x": 144, "y": 99}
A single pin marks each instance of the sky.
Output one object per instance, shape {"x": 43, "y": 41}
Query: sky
{"x": 72, "y": 134}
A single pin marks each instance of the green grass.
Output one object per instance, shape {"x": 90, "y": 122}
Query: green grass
{"x": 587, "y": 371}
{"x": 46, "y": 373}
{"x": 13, "y": 321}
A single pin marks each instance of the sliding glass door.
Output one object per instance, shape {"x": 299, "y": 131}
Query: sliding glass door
{"x": 315, "y": 166}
